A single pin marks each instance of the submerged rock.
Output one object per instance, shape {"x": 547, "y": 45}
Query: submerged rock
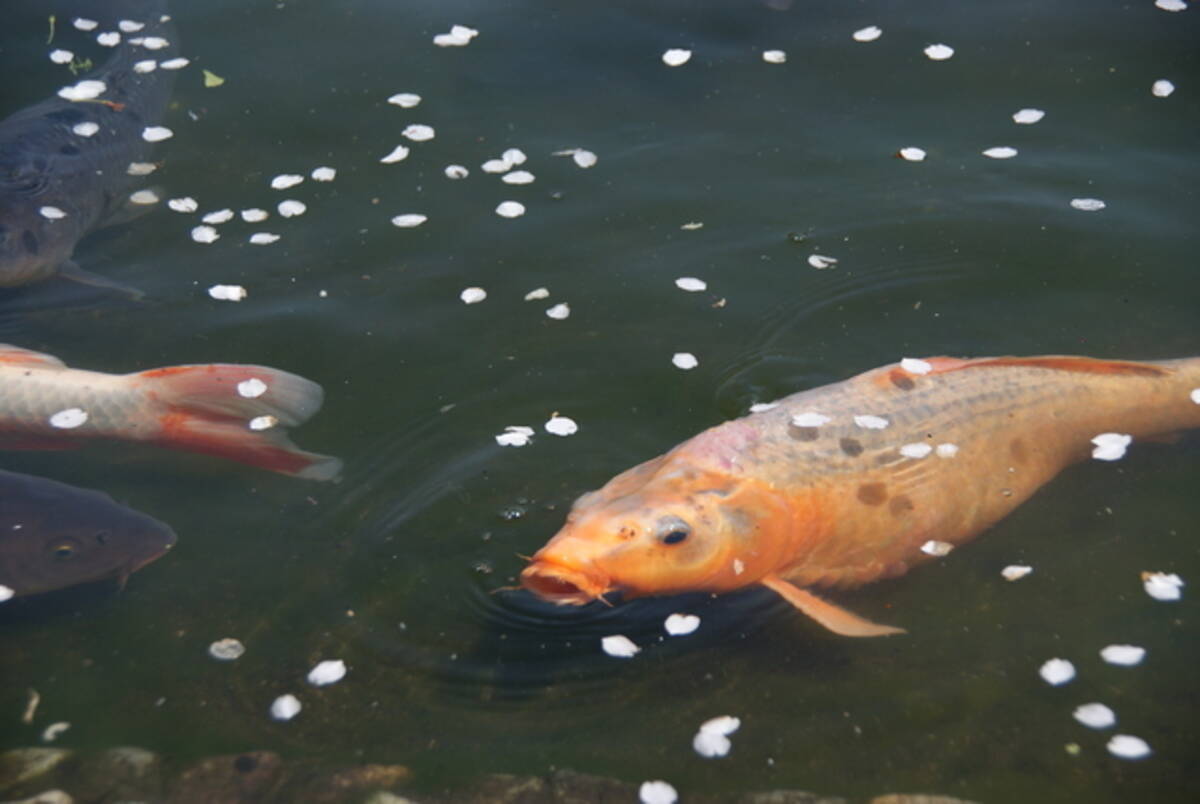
{"x": 918, "y": 798}
{"x": 125, "y": 773}
{"x": 22, "y": 767}
{"x": 48, "y": 797}
{"x": 347, "y": 784}
{"x": 229, "y": 779}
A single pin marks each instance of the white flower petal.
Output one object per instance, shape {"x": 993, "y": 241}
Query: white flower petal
{"x": 684, "y": 360}
{"x": 233, "y": 293}
{"x": 1057, "y": 671}
{"x": 559, "y": 311}
{"x": 286, "y": 180}
{"x": 912, "y": 154}
{"x": 69, "y": 419}
{"x": 473, "y": 295}
{"x": 1088, "y": 204}
{"x": 1000, "y": 152}
{"x": 1127, "y": 746}
{"x": 584, "y": 159}
{"x": 251, "y": 388}
{"x": 774, "y": 56}
{"x": 51, "y": 213}
{"x": 323, "y": 173}
{"x": 936, "y": 548}
{"x": 285, "y": 707}
{"x": 939, "y": 52}
{"x": 510, "y": 209}
{"x": 681, "y": 624}
{"x": 561, "y": 426}
{"x": 1162, "y": 586}
{"x": 1095, "y": 716}
{"x": 144, "y": 197}
{"x": 538, "y": 293}
{"x": 254, "y": 215}
{"x": 418, "y": 132}
{"x": 291, "y": 208}
{"x": 226, "y": 650}
{"x": 676, "y": 57}
{"x": 405, "y": 100}
{"x": 1171, "y": 5}
{"x": 157, "y": 133}
{"x": 868, "y": 34}
{"x": 691, "y": 284}
{"x": 1015, "y": 572}
{"x": 186, "y": 204}
{"x": 84, "y": 90}
{"x": 86, "y": 128}
{"x": 657, "y": 792}
{"x": 177, "y": 63}
{"x": 329, "y": 671}
{"x": 1110, "y": 446}
{"x": 409, "y": 220}
{"x": 946, "y": 450}
{"x": 84, "y": 24}
{"x": 219, "y": 216}
{"x": 514, "y": 156}
{"x": 810, "y": 418}
{"x": 456, "y": 172}
{"x": 205, "y": 234}
{"x": 398, "y": 154}
{"x": 518, "y": 177}
{"x": 1162, "y": 88}
{"x": 1027, "y": 117}
{"x": 620, "y": 646}
{"x": 869, "y": 422}
{"x": 821, "y": 261}
{"x": 915, "y": 366}
{"x": 1126, "y": 655}
{"x": 917, "y": 449}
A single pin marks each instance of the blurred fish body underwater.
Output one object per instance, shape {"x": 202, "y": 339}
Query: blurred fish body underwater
{"x": 68, "y": 163}
{"x": 53, "y": 536}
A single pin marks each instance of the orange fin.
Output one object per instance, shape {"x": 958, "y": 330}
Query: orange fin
{"x": 267, "y": 449}
{"x": 835, "y": 618}
{"x": 1087, "y": 365}
{"x": 16, "y": 356}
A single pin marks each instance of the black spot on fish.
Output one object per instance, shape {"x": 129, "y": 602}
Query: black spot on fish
{"x": 69, "y": 150}
{"x": 69, "y": 115}
{"x": 900, "y": 504}
{"x": 901, "y": 380}
{"x": 29, "y": 239}
{"x": 851, "y": 447}
{"x": 803, "y": 433}
{"x": 872, "y": 493}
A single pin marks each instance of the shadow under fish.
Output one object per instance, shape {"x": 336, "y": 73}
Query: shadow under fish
{"x": 69, "y": 163}
{"x": 53, "y": 536}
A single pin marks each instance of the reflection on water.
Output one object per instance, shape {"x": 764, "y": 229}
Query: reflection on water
{"x": 400, "y": 570}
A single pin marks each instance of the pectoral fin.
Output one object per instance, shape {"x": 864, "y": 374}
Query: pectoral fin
{"x": 70, "y": 270}
{"x": 835, "y": 618}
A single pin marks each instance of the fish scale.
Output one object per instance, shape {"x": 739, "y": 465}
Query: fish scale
{"x": 765, "y": 500}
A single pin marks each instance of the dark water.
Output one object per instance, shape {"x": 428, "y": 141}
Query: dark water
{"x": 395, "y": 569}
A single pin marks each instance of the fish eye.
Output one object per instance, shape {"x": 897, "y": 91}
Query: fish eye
{"x": 672, "y": 530}
{"x": 63, "y": 550}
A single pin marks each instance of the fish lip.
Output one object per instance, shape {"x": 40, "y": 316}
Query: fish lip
{"x": 561, "y": 584}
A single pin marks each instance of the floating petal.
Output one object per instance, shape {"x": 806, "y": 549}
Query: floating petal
{"x": 620, "y": 646}
{"x": 1057, "y": 671}
{"x": 676, "y": 57}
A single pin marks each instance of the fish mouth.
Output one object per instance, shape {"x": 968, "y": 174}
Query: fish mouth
{"x": 562, "y": 585}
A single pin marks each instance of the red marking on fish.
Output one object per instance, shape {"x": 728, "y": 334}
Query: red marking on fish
{"x": 760, "y": 500}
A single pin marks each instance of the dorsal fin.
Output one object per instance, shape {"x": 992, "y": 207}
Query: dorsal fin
{"x": 15, "y": 355}
{"x": 1087, "y": 365}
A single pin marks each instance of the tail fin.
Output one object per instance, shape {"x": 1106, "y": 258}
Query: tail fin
{"x": 237, "y": 412}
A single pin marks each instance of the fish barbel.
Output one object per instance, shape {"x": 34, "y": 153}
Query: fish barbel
{"x": 842, "y": 485}
{"x": 53, "y": 536}
{"x": 229, "y": 410}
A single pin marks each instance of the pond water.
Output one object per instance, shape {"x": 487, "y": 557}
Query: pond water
{"x": 400, "y": 569}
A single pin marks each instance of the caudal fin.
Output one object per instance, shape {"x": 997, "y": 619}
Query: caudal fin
{"x": 237, "y": 412}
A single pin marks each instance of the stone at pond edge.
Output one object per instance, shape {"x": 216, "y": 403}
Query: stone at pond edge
{"x": 343, "y": 785}
{"x": 251, "y": 776}
{"x": 918, "y": 798}
{"x": 48, "y": 797}
{"x": 125, "y": 773}
{"x": 22, "y": 765}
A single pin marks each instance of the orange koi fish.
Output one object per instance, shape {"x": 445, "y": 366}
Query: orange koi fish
{"x": 842, "y": 485}
{"x": 228, "y": 410}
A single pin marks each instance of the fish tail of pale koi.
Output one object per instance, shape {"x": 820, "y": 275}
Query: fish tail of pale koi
{"x": 209, "y": 409}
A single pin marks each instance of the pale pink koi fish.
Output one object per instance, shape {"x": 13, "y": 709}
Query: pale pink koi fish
{"x": 223, "y": 409}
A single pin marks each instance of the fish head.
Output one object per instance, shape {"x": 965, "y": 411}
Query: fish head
{"x": 32, "y": 245}
{"x": 683, "y": 530}
{"x": 77, "y": 540}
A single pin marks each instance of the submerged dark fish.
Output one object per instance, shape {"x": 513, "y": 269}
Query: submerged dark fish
{"x": 53, "y": 536}
{"x": 58, "y": 182}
